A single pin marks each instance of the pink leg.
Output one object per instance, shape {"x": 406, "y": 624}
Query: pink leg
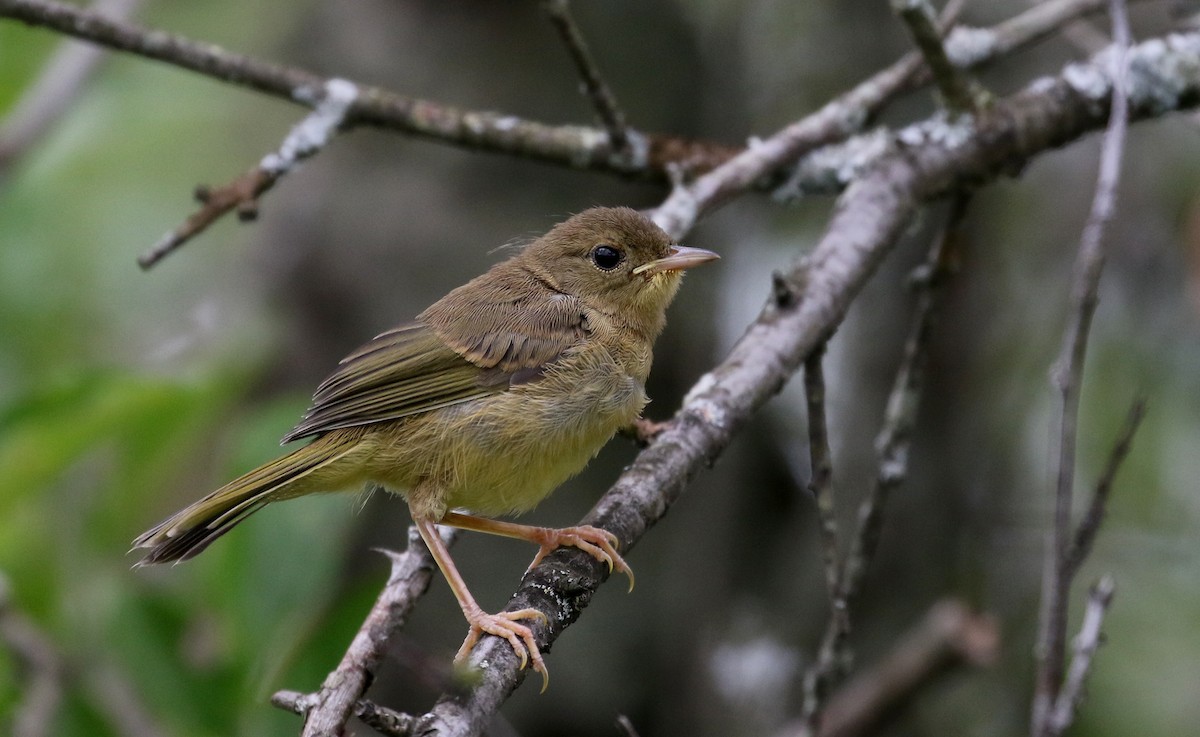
{"x": 600, "y": 544}
{"x": 503, "y": 625}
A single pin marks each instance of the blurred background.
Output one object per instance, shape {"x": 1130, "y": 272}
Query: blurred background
{"x": 125, "y": 395}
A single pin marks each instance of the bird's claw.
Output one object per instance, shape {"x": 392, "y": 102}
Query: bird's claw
{"x": 505, "y": 626}
{"x": 600, "y": 544}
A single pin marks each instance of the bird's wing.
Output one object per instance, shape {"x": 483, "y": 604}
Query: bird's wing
{"x": 415, "y": 368}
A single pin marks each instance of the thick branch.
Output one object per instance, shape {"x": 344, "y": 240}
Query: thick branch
{"x": 577, "y": 146}
{"x": 649, "y": 155}
{"x": 868, "y": 219}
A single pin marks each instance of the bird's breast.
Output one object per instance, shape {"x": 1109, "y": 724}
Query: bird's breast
{"x": 506, "y": 452}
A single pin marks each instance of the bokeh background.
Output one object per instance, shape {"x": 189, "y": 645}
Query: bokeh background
{"x": 125, "y": 395}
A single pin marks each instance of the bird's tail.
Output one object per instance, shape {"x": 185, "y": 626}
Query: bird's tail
{"x": 306, "y": 470}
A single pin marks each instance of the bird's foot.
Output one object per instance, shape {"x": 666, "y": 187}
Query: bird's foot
{"x": 598, "y": 543}
{"x": 644, "y": 431}
{"x": 505, "y": 625}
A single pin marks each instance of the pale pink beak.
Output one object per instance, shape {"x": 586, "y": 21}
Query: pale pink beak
{"x": 680, "y": 258}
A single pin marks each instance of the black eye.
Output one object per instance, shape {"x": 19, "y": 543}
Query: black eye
{"x": 606, "y": 257}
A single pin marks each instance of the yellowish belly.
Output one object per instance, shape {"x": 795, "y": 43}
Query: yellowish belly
{"x": 505, "y": 453}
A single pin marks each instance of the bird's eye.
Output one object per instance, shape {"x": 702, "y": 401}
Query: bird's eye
{"x": 606, "y": 257}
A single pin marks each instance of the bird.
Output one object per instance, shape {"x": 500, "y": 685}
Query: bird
{"x": 480, "y": 407}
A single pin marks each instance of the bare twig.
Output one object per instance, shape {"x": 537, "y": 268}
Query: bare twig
{"x": 55, "y": 89}
{"x": 817, "y": 677}
{"x": 1068, "y": 378}
{"x": 892, "y": 446}
{"x": 43, "y": 667}
{"x": 1087, "y": 642}
{"x": 304, "y": 141}
{"x": 894, "y": 440}
{"x": 594, "y": 87}
{"x": 959, "y": 92}
{"x": 821, "y": 484}
{"x": 327, "y": 710}
{"x": 380, "y": 718}
{"x": 1085, "y": 532}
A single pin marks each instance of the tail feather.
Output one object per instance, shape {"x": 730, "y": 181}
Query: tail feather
{"x": 189, "y": 531}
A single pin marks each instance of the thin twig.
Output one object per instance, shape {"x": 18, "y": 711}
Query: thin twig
{"x": 57, "y": 86}
{"x": 817, "y": 677}
{"x": 594, "y": 87}
{"x": 327, "y": 710}
{"x": 892, "y": 446}
{"x": 959, "y": 91}
{"x": 821, "y": 484}
{"x": 304, "y": 141}
{"x": 1067, "y": 377}
{"x": 1087, "y": 642}
{"x": 380, "y": 718}
{"x": 1085, "y": 532}
{"x": 894, "y": 439}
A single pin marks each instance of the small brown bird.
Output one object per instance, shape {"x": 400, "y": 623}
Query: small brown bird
{"x": 490, "y": 399}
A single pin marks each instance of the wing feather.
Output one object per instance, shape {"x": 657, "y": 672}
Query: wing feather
{"x": 499, "y": 331}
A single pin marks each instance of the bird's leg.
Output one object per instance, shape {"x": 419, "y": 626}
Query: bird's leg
{"x": 504, "y": 624}
{"x": 600, "y": 544}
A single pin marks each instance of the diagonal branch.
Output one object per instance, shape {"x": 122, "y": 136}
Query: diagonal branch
{"x": 327, "y": 710}
{"x": 1086, "y": 644}
{"x": 594, "y": 87}
{"x": 1089, "y": 526}
{"x": 866, "y": 223}
{"x": 960, "y": 92}
{"x": 304, "y": 141}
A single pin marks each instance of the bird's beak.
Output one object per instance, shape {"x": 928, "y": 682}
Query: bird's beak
{"x": 680, "y": 258}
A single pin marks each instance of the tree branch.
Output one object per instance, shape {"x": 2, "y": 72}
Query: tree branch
{"x": 866, "y": 222}
{"x": 304, "y": 141}
{"x": 327, "y": 710}
{"x": 892, "y": 445}
{"x": 1086, "y": 644}
{"x": 594, "y": 87}
{"x": 821, "y": 485}
{"x": 1089, "y": 526}
{"x": 959, "y": 92}
{"x": 1068, "y": 378}
{"x": 649, "y": 156}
